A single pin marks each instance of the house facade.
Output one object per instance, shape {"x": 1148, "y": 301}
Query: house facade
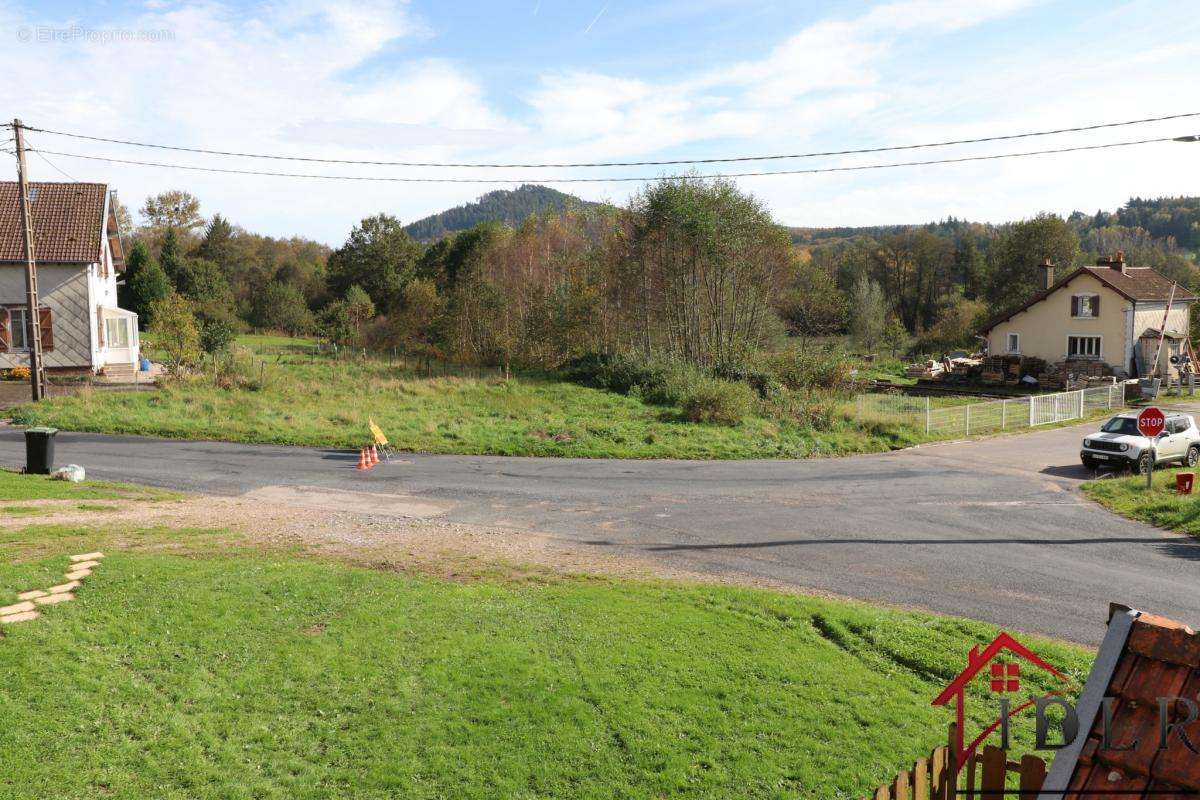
{"x": 79, "y": 256}
{"x": 1111, "y": 312}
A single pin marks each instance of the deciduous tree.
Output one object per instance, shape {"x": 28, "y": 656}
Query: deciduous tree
{"x": 379, "y": 257}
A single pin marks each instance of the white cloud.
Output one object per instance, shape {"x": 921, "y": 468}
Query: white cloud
{"x": 328, "y": 78}
{"x": 292, "y": 78}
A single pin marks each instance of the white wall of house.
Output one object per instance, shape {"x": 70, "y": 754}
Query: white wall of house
{"x": 64, "y": 288}
{"x": 82, "y": 299}
{"x": 1150, "y": 315}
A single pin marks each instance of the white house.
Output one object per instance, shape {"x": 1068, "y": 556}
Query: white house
{"x": 78, "y": 249}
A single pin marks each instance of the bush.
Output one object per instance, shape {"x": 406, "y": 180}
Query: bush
{"x": 658, "y": 380}
{"x": 812, "y": 409}
{"x": 758, "y": 377}
{"x": 807, "y": 370}
{"x": 216, "y": 336}
{"x": 719, "y": 402}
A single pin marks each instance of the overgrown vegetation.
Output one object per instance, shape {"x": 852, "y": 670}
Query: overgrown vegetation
{"x": 198, "y": 664}
{"x": 643, "y": 411}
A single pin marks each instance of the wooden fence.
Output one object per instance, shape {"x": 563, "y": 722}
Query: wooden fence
{"x": 985, "y": 775}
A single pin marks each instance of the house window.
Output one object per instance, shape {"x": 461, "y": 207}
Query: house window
{"x": 1014, "y": 343}
{"x": 18, "y": 322}
{"x": 116, "y": 332}
{"x": 1085, "y": 306}
{"x": 1083, "y": 347}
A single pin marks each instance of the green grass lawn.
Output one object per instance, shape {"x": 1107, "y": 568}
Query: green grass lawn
{"x": 15, "y": 486}
{"x": 1160, "y": 506}
{"x": 195, "y": 666}
{"x": 319, "y": 402}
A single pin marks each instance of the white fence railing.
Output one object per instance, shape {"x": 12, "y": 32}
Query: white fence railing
{"x": 990, "y": 415}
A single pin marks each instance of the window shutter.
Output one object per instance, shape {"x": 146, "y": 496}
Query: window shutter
{"x": 1095, "y": 305}
{"x": 1074, "y": 305}
{"x": 5, "y": 327}
{"x": 46, "y": 324}
{"x": 100, "y": 327}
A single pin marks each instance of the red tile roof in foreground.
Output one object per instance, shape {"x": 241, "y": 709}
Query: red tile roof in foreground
{"x": 1158, "y": 657}
{"x": 68, "y": 220}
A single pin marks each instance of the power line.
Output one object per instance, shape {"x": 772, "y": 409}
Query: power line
{"x": 677, "y": 162}
{"x": 621, "y": 179}
{"x": 55, "y": 167}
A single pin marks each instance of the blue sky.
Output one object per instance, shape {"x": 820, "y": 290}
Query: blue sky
{"x": 542, "y": 80}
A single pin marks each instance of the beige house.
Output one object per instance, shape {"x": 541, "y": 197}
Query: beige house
{"x": 78, "y": 249}
{"x": 1111, "y": 312}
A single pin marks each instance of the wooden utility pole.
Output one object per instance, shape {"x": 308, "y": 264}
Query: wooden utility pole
{"x": 33, "y": 317}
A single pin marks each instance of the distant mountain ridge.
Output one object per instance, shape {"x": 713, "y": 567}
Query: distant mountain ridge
{"x": 1176, "y": 218}
{"x": 510, "y": 206}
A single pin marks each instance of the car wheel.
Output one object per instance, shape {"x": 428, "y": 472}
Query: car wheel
{"x": 1144, "y": 463}
{"x": 1193, "y": 456}
{"x": 1089, "y": 463}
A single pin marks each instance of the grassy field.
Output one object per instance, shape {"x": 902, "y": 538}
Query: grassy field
{"x": 194, "y": 665}
{"x": 284, "y": 393}
{"x": 323, "y": 402}
{"x": 1160, "y": 506}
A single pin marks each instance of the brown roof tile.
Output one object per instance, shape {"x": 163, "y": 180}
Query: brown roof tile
{"x": 1159, "y": 658}
{"x": 67, "y": 221}
{"x": 1139, "y": 283}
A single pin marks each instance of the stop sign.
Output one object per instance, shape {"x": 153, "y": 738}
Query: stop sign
{"x": 1151, "y": 422}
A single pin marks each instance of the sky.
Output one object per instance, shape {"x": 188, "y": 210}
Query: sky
{"x": 534, "y": 81}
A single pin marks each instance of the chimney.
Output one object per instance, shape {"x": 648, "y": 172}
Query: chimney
{"x": 1116, "y": 262}
{"x": 1047, "y": 273}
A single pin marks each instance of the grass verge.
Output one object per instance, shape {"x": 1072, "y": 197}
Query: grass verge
{"x": 192, "y": 665}
{"x": 1160, "y": 505}
{"x": 15, "y": 486}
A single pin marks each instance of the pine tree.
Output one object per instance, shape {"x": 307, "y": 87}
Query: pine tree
{"x": 169, "y": 256}
{"x": 145, "y": 283}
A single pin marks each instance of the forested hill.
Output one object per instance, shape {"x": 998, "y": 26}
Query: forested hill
{"x": 1176, "y": 218}
{"x": 511, "y": 206}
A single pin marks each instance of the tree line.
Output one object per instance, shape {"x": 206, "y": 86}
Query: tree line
{"x": 690, "y": 270}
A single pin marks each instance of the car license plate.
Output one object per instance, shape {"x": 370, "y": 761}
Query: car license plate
{"x": 1101, "y": 458}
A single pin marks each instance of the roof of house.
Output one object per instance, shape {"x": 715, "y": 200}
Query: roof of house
{"x": 68, "y": 221}
{"x": 1143, "y": 657}
{"x": 1136, "y": 284}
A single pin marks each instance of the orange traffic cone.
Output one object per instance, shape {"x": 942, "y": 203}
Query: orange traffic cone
{"x": 364, "y": 462}
{"x": 374, "y": 455}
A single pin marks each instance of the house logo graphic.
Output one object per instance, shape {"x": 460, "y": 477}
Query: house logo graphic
{"x": 998, "y": 667}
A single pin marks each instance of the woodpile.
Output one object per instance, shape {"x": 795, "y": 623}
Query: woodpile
{"x": 1001, "y": 370}
{"x": 1072, "y": 373}
{"x": 1015, "y": 370}
{"x": 927, "y": 369}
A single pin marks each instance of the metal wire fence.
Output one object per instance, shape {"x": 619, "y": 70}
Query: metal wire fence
{"x": 935, "y": 417}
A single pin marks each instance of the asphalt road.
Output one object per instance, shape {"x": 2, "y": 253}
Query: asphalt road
{"x": 991, "y": 529}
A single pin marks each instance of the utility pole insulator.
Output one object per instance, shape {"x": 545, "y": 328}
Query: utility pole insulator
{"x": 33, "y": 317}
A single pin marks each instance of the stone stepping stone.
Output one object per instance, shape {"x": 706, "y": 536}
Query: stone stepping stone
{"x": 24, "y": 616}
{"x": 55, "y": 599}
{"x": 64, "y": 588}
{"x": 31, "y": 594}
{"x": 16, "y": 608}
{"x": 85, "y": 565}
{"x": 78, "y": 574}
{"x": 87, "y": 557}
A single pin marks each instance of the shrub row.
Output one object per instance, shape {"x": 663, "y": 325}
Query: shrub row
{"x": 796, "y": 385}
